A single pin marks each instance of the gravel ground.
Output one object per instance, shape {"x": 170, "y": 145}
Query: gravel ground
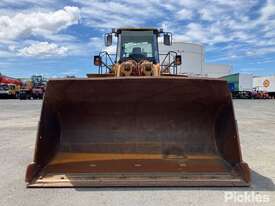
{"x": 18, "y": 121}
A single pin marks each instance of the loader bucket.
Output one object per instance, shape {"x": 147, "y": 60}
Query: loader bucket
{"x": 137, "y": 131}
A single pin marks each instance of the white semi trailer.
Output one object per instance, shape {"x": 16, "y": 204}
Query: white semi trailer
{"x": 240, "y": 84}
{"x": 265, "y": 84}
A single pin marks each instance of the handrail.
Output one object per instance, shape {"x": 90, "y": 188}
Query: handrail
{"x": 170, "y": 63}
{"x": 107, "y": 56}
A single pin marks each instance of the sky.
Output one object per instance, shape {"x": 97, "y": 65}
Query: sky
{"x": 56, "y": 38}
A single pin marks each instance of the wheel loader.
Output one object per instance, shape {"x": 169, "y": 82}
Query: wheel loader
{"x": 138, "y": 123}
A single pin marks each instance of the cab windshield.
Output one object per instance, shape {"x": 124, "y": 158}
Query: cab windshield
{"x": 138, "y": 45}
{"x": 12, "y": 87}
{"x": 4, "y": 87}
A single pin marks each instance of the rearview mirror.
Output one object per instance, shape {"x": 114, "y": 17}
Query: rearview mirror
{"x": 97, "y": 60}
{"x": 108, "y": 39}
{"x": 178, "y": 60}
{"x": 167, "y": 40}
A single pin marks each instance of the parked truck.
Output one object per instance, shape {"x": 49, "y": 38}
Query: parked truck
{"x": 9, "y": 86}
{"x": 33, "y": 88}
{"x": 9, "y": 80}
{"x": 9, "y": 91}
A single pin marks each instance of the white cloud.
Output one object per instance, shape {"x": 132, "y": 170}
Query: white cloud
{"x": 24, "y": 2}
{"x": 184, "y": 14}
{"x": 112, "y": 14}
{"x": 43, "y": 49}
{"x": 98, "y": 45}
{"x": 206, "y": 14}
{"x": 248, "y": 24}
{"x": 37, "y": 23}
{"x": 268, "y": 10}
{"x": 190, "y": 4}
{"x": 260, "y": 51}
{"x": 232, "y": 22}
{"x": 208, "y": 35}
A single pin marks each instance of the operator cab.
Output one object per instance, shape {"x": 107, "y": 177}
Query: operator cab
{"x": 137, "y": 45}
{"x": 4, "y": 87}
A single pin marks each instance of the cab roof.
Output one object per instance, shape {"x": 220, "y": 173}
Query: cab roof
{"x": 136, "y": 29}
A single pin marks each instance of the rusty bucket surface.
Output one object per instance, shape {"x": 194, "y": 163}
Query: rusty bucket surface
{"x": 137, "y": 131}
